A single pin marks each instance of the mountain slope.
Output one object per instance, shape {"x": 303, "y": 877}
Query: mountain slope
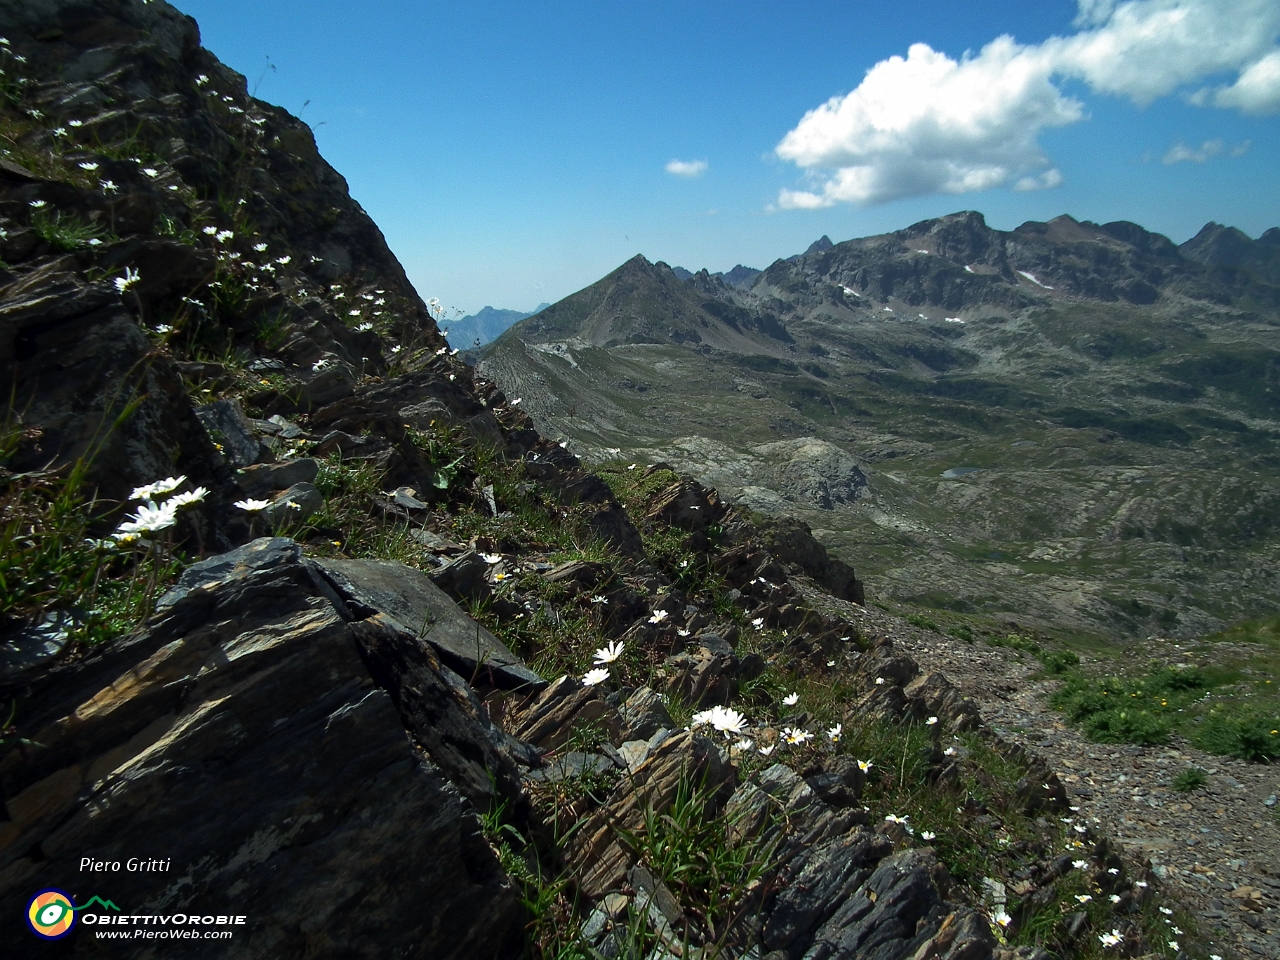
{"x": 1078, "y": 412}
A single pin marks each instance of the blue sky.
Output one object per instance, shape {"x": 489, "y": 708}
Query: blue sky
{"x": 514, "y": 152}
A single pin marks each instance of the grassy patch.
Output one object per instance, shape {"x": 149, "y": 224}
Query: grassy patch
{"x": 1203, "y": 705}
{"x": 65, "y": 232}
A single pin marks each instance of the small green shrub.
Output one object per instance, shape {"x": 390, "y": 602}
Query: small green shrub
{"x": 1017, "y": 642}
{"x": 923, "y": 622}
{"x": 1129, "y": 725}
{"x": 1249, "y": 733}
{"x": 1059, "y": 661}
{"x": 1192, "y": 778}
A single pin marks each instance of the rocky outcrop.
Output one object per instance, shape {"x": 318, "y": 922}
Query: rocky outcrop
{"x": 253, "y": 736}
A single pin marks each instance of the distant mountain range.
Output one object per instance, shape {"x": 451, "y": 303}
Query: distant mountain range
{"x": 1070, "y": 421}
{"x": 477, "y": 329}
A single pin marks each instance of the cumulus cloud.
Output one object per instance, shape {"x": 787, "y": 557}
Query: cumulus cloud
{"x": 928, "y": 123}
{"x": 686, "y": 168}
{"x": 1257, "y": 90}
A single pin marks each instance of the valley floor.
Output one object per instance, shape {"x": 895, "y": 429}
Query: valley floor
{"x": 1216, "y": 848}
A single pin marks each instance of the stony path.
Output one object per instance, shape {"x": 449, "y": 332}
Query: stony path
{"x": 1217, "y": 849}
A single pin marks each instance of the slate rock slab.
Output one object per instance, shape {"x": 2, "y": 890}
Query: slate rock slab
{"x": 294, "y": 505}
{"x": 420, "y": 607}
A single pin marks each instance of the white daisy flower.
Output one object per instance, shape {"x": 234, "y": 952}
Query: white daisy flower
{"x": 158, "y": 488}
{"x": 609, "y": 652}
{"x": 187, "y": 498}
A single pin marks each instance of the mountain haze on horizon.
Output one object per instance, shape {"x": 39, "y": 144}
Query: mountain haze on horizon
{"x": 1086, "y": 413}
{"x": 484, "y": 326}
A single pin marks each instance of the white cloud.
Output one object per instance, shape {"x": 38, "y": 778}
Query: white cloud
{"x": 1146, "y": 49}
{"x": 687, "y": 168}
{"x": 1046, "y": 181}
{"x": 928, "y": 123}
{"x": 1181, "y": 153}
{"x": 1257, "y": 90}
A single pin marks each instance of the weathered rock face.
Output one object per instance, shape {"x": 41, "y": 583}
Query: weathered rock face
{"x": 227, "y": 178}
{"x": 82, "y": 373}
{"x": 254, "y": 736}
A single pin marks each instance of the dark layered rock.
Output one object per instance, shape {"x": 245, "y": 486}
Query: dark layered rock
{"x": 264, "y": 478}
{"x": 792, "y": 542}
{"x": 88, "y": 384}
{"x": 894, "y": 914}
{"x": 254, "y": 735}
{"x": 549, "y": 718}
{"x": 599, "y": 853}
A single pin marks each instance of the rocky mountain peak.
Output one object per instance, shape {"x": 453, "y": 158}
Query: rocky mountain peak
{"x": 820, "y": 245}
{"x": 1216, "y": 245}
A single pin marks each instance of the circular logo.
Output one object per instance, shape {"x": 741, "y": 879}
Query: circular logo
{"x": 51, "y": 914}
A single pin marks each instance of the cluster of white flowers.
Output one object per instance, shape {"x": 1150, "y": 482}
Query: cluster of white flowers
{"x": 609, "y": 653}
{"x": 151, "y": 517}
{"x": 725, "y": 719}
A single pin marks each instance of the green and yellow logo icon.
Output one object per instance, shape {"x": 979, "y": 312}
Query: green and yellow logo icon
{"x": 51, "y": 914}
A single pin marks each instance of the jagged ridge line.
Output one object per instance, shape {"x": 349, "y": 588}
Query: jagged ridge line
{"x": 106, "y": 903}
